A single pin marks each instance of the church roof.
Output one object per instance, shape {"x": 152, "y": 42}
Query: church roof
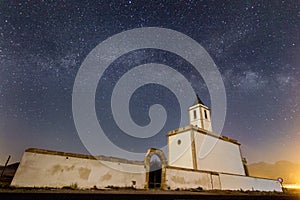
{"x": 198, "y": 101}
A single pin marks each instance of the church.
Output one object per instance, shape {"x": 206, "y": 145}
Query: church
{"x": 197, "y": 159}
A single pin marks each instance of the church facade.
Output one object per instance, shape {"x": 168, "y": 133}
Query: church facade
{"x": 197, "y": 158}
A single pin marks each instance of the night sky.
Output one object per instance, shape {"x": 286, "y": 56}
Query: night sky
{"x": 255, "y": 45}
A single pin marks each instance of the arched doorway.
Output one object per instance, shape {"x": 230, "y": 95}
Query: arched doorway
{"x": 155, "y": 172}
{"x": 155, "y": 162}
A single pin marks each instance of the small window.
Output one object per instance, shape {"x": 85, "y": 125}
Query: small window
{"x": 205, "y": 114}
{"x": 178, "y": 142}
{"x": 195, "y": 114}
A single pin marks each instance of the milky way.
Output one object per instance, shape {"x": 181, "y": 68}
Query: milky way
{"x": 256, "y": 47}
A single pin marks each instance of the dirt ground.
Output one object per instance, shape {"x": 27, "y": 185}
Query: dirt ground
{"x": 19, "y": 193}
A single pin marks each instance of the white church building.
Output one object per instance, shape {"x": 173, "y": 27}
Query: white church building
{"x": 197, "y": 158}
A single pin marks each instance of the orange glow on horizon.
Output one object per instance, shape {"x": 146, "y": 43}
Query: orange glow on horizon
{"x": 291, "y": 186}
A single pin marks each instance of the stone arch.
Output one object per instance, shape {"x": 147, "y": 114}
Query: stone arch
{"x": 163, "y": 160}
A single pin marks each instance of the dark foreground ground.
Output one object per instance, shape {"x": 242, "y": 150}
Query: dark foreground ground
{"x": 137, "y": 194}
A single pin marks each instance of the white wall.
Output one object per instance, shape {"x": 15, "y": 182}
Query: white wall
{"x": 206, "y": 122}
{"x": 48, "y": 170}
{"x": 216, "y": 184}
{"x": 200, "y": 120}
{"x": 217, "y": 155}
{"x": 187, "y": 179}
{"x": 231, "y": 182}
{"x": 195, "y": 121}
{"x": 180, "y": 155}
{"x": 212, "y": 153}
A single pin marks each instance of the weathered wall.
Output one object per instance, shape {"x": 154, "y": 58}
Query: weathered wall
{"x": 232, "y": 182}
{"x": 187, "y": 179}
{"x": 217, "y": 155}
{"x": 40, "y": 168}
{"x": 216, "y": 183}
{"x": 177, "y": 178}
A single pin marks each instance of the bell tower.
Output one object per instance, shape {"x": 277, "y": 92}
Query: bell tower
{"x": 199, "y": 115}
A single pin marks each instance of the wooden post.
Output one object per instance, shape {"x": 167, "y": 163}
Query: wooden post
{"x": 4, "y": 167}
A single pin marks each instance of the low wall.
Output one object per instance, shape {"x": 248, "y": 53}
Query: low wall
{"x": 233, "y": 182}
{"x": 42, "y": 168}
{"x": 179, "y": 178}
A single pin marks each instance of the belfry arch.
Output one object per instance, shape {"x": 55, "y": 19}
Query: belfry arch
{"x": 151, "y": 152}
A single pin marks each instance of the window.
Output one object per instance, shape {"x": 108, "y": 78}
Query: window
{"x": 195, "y": 114}
{"x": 178, "y": 142}
{"x": 205, "y": 114}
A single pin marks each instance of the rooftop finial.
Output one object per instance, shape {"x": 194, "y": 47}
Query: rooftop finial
{"x": 198, "y": 100}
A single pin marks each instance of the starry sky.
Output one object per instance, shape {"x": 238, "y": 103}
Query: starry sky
{"x": 255, "y": 45}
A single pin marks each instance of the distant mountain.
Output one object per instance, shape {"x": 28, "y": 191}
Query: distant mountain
{"x": 290, "y": 172}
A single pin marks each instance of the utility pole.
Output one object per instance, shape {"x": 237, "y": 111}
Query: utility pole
{"x": 4, "y": 167}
